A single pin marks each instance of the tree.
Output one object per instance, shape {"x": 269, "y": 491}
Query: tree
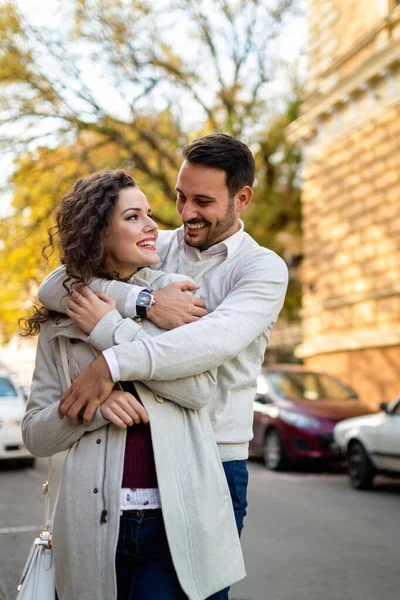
{"x": 113, "y": 87}
{"x": 274, "y": 216}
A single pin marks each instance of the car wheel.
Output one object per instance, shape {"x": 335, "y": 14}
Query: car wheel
{"x": 27, "y": 462}
{"x": 274, "y": 452}
{"x": 360, "y": 468}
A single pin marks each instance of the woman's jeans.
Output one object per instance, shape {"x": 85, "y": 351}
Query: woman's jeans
{"x": 143, "y": 561}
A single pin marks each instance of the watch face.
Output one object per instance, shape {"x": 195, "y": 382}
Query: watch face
{"x": 143, "y": 299}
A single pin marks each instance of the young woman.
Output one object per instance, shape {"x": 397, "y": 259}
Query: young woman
{"x": 143, "y": 510}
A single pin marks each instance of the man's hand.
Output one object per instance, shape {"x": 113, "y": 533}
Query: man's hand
{"x": 86, "y": 308}
{"x": 174, "y": 308}
{"x": 123, "y": 409}
{"x": 89, "y": 389}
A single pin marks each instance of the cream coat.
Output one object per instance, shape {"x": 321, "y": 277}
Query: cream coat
{"x": 195, "y": 498}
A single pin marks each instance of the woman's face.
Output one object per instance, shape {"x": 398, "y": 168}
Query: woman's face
{"x": 130, "y": 242}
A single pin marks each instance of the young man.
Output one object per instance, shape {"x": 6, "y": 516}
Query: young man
{"x": 243, "y": 286}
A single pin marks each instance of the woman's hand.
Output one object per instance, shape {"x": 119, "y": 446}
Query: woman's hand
{"x": 86, "y": 308}
{"x": 123, "y": 409}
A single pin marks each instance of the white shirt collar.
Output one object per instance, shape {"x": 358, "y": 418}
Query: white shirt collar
{"x": 228, "y": 246}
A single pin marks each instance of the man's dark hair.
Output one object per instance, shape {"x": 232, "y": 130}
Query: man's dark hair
{"x": 222, "y": 151}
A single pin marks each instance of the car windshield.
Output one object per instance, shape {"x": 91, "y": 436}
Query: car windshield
{"x": 7, "y": 390}
{"x": 309, "y": 386}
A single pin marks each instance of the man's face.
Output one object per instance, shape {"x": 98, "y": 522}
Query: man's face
{"x": 209, "y": 215}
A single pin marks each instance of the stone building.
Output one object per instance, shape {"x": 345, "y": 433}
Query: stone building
{"x": 349, "y": 131}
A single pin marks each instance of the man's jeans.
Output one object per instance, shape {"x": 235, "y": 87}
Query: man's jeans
{"x": 237, "y": 477}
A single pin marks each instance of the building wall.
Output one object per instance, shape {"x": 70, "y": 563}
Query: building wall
{"x": 350, "y": 134}
{"x": 334, "y": 25}
{"x": 372, "y": 372}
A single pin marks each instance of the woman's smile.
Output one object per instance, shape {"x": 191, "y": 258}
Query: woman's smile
{"x": 131, "y": 238}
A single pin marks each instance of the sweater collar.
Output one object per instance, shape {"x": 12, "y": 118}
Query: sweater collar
{"x": 227, "y": 247}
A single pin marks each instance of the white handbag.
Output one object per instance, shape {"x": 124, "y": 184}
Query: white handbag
{"x": 38, "y": 576}
{"x": 37, "y": 579}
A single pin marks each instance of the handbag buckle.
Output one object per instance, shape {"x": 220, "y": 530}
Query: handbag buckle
{"x": 45, "y": 536}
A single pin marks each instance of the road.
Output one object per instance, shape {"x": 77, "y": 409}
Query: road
{"x": 308, "y": 536}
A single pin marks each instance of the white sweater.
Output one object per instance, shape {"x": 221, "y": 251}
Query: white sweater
{"x": 244, "y": 291}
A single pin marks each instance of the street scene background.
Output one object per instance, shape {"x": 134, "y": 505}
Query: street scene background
{"x": 314, "y": 89}
{"x": 307, "y": 534}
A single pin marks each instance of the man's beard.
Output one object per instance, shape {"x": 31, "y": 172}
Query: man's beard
{"x": 212, "y": 234}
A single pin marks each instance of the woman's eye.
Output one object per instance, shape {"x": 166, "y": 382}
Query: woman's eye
{"x": 132, "y": 217}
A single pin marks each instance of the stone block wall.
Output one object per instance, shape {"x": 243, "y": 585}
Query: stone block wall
{"x": 351, "y": 272}
{"x": 350, "y": 135}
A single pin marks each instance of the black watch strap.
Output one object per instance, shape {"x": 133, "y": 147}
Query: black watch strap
{"x": 144, "y": 300}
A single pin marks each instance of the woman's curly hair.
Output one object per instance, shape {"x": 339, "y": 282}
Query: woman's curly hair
{"x": 82, "y": 220}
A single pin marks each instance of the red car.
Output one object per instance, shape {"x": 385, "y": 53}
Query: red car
{"x": 295, "y": 411}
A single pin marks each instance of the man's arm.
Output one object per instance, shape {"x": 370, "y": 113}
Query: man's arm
{"x": 173, "y": 308}
{"x": 111, "y": 329}
{"x": 251, "y": 308}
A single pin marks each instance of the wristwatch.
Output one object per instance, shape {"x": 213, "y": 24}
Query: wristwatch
{"x": 144, "y": 300}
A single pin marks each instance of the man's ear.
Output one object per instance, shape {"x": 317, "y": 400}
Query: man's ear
{"x": 243, "y": 198}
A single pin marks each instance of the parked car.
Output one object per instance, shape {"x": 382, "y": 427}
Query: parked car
{"x": 12, "y": 410}
{"x": 371, "y": 445}
{"x": 295, "y": 411}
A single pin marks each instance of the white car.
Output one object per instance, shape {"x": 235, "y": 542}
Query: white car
{"x": 12, "y": 410}
{"x": 371, "y": 445}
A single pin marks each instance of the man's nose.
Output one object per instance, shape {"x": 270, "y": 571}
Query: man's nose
{"x": 189, "y": 211}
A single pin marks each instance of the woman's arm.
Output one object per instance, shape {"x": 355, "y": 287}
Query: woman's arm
{"x": 43, "y": 432}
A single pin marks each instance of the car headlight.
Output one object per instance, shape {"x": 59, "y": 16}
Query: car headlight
{"x": 299, "y": 420}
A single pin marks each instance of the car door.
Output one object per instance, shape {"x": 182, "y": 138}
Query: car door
{"x": 388, "y": 439}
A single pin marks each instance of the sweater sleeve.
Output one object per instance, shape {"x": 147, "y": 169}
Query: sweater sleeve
{"x": 43, "y": 432}
{"x": 250, "y": 309}
{"x": 53, "y": 295}
{"x": 190, "y": 392}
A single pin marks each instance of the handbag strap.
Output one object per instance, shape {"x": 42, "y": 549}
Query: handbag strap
{"x": 46, "y": 492}
{"x": 46, "y": 486}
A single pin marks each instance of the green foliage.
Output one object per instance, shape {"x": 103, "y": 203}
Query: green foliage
{"x": 110, "y": 86}
{"x": 274, "y": 216}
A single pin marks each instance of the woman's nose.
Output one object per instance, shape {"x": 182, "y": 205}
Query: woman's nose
{"x": 151, "y": 225}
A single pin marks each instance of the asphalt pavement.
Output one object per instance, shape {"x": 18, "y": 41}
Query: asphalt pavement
{"x": 308, "y": 536}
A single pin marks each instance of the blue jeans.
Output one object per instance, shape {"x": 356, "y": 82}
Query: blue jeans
{"x": 238, "y": 478}
{"x": 143, "y": 561}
